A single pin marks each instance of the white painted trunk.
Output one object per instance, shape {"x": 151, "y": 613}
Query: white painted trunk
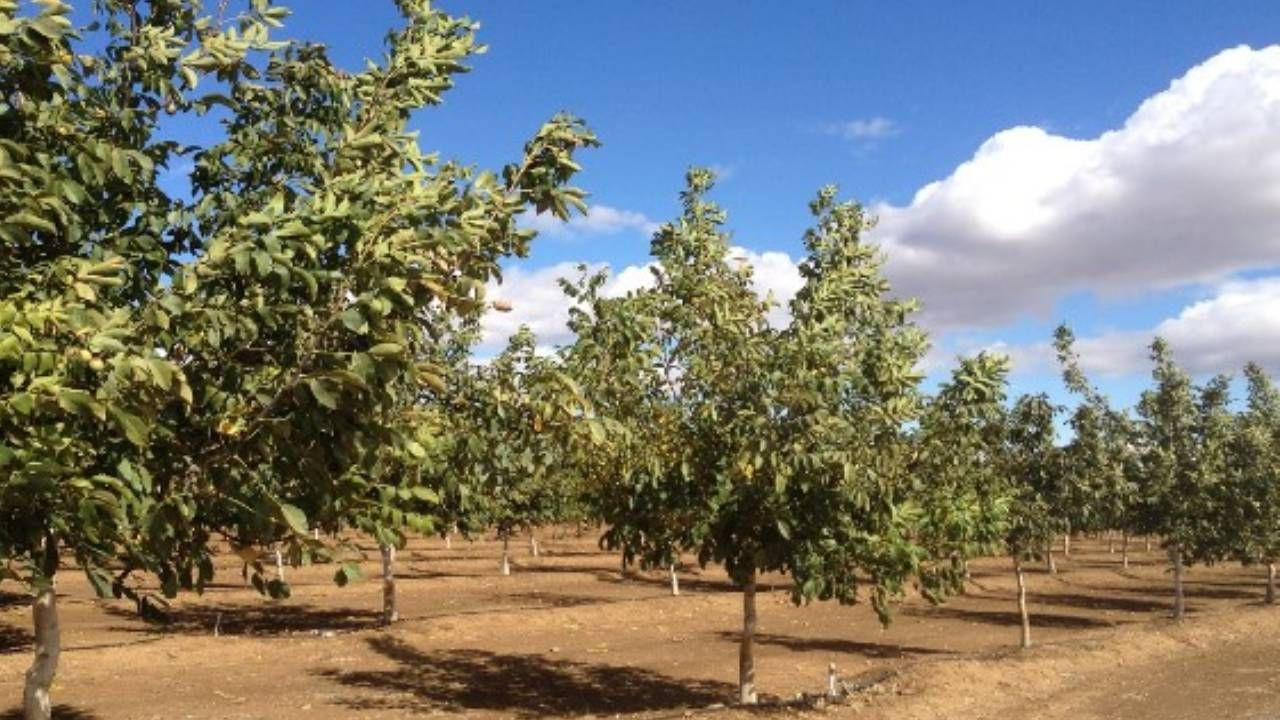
{"x": 675, "y": 580}
{"x": 1271, "y": 583}
{"x": 746, "y": 648}
{"x": 533, "y": 544}
{"x": 390, "y": 610}
{"x": 1066, "y": 544}
{"x": 1050, "y": 561}
{"x": 48, "y": 648}
{"x": 279, "y": 562}
{"x": 1022, "y": 603}
{"x": 506, "y": 555}
{"x": 1179, "y": 604}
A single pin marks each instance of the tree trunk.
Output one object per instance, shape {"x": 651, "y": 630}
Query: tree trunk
{"x": 1179, "y": 604}
{"x": 390, "y": 613}
{"x": 675, "y": 581}
{"x": 1048, "y": 556}
{"x": 279, "y": 562}
{"x": 533, "y": 544}
{"x": 746, "y": 649}
{"x": 1124, "y": 551}
{"x": 1111, "y": 542}
{"x": 1148, "y": 540}
{"x": 1022, "y": 603}
{"x": 1271, "y": 583}
{"x": 448, "y": 540}
{"x": 1066, "y": 544}
{"x": 506, "y": 554}
{"x": 35, "y": 695}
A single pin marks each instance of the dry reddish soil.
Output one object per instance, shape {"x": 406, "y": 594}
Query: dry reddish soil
{"x": 565, "y": 635}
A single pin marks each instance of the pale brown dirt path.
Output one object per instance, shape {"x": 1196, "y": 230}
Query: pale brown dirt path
{"x": 564, "y": 637}
{"x": 1224, "y": 666}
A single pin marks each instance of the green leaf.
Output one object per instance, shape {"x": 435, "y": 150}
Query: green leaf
{"x": 131, "y": 425}
{"x": 101, "y": 581}
{"x": 323, "y": 392}
{"x": 162, "y": 371}
{"x": 425, "y": 494}
{"x": 294, "y": 518}
{"x": 354, "y": 320}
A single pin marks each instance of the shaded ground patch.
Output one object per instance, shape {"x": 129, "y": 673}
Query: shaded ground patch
{"x": 839, "y": 645}
{"x": 266, "y": 619}
{"x": 523, "y": 685}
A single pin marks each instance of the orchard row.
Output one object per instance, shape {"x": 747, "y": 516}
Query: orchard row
{"x": 286, "y": 351}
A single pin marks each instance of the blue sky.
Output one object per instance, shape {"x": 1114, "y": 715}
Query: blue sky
{"x": 1072, "y": 217}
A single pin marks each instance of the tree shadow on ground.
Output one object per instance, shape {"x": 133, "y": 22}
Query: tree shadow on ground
{"x": 420, "y": 573}
{"x": 520, "y": 568}
{"x": 1009, "y": 618}
{"x": 13, "y": 599}
{"x": 442, "y": 555}
{"x": 13, "y": 639}
{"x": 1191, "y": 589}
{"x": 696, "y": 584}
{"x": 523, "y": 685}
{"x": 838, "y": 645}
{"x": 60, "y": 712}
{"x": 557, "y": 600}
{"x": 1091, "y": 602}
{"x": 263, "y": 620}
{"x": 602, "y": 554}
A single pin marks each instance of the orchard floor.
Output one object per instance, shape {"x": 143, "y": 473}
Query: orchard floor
{"x": 566, "y": 636}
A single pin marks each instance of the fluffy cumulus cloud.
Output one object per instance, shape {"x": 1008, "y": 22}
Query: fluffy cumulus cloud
{"x": 598, "y": 220}
{"x": 538, "y": 301}
{"x": 1236, "y": 323}
{"x": 1239, "y": 323}
{"x": 1187, "y": 191}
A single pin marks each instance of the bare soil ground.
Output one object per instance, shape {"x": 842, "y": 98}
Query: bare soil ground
{"x": 565, "y": 635}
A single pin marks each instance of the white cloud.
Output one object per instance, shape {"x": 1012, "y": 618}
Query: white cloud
{"x": 599, "y": 220}
{"x": 773, "y": 273}
{"x": 862, "y": 129}
{"x": 1187, "y": 191}
{"x": 1238, "y": 324}
{"x": 538, "y": 301}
